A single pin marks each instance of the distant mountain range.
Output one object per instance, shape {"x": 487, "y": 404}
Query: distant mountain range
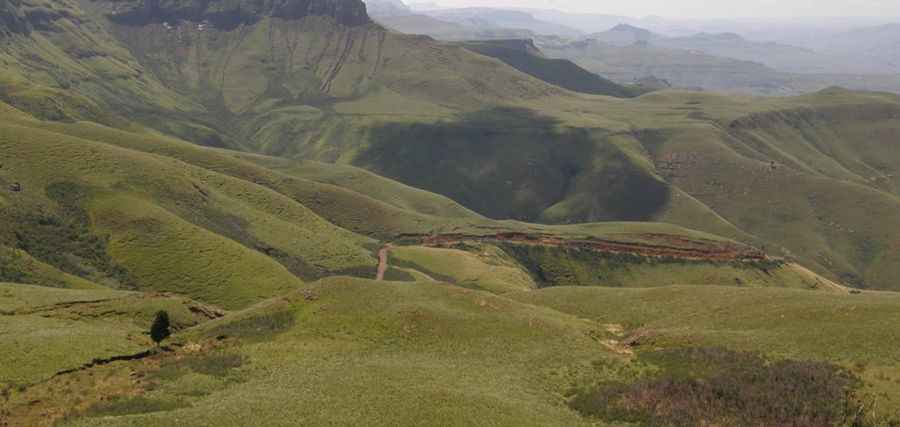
{"x": 687, "y": 54}
{"x": 779, "y": 56}
{"x": 339, "y": 224}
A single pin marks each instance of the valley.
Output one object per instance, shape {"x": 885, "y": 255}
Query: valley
{"x": 349, "y": 225}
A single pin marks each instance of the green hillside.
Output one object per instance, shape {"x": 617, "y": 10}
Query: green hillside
{"x": 348, "y": 225}
{"x": 441, "y": 118}
{"x": 422, "y": 353}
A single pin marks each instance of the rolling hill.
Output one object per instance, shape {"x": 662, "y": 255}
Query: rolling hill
{"x": 351, "y": 225}
{"x": 351, "y": 93}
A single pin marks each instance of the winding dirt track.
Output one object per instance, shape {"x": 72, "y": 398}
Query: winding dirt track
{"x": 383, "y": 255}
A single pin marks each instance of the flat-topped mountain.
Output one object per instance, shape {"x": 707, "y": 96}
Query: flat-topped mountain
{"x": 229, "y": 14}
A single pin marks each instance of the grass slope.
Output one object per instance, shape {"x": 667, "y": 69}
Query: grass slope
{"x": 166, "y": 223}
{"x": 408, "y": 107}
{"x": 437, "y": 353}
{"x": 488, "y": 360}
{"x": 50, "y": 330}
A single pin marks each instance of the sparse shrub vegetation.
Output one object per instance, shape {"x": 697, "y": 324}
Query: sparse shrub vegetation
{"x": 131, "y": 406}
{"x": 216, "y": 364}
{"x": 714, "y": 386}
{"x": 259, "y": 327}
{"x": 9, "y": 269}
{"x": 64, "y": 238}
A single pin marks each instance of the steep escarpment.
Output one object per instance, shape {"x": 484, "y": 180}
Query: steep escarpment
{"x": 297, "y": 84}
{"x": 229, "y": 14}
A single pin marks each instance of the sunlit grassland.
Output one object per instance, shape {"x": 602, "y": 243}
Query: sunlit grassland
{"x": 48, "y": 330}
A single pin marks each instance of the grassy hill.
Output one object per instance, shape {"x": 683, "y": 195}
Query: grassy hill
{"x": 49, "y": 331}
{"x": 335, "y": 88}
{"x": 490, "y": 359}
{"x": 550, "y": 257}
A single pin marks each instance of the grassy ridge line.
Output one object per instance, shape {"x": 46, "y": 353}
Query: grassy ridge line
{"x": 509, "y": 268}
{"x": 484, "y": 268}
{"x": 370, "y": 216}
{"x": 164, "y": 253}
{"x": 855, "y": 245}
{"x": 164, "y": 181}
{"x": 20, "y": 267}
{"x": 787, "y": 322}
{"x": 435, "y": 353}
{"x": 364, "y": 182}
{"x": 342, "y": 206}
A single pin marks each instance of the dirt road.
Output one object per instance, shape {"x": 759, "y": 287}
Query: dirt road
{"x": 383, "y": 255}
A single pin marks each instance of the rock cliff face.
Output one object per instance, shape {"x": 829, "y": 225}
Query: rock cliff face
{"x": 229, "y": 14}
{"x": 12, "y": 20}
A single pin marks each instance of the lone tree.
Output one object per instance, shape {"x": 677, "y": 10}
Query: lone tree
{"x": 160, "y": 329}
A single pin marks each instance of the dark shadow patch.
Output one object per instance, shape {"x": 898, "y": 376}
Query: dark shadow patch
{"x": 509, "y": 163}
{"x": 413, "y": 266}
{"x": 133, "y": 405}
{"x": 395, "y": 275}
{"x": 261, "y": 327}
{"x": 218, "y": 364}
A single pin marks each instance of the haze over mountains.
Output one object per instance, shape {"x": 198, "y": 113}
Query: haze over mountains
{"x": 734, "y": 56}
{"x": 517, "y": 220}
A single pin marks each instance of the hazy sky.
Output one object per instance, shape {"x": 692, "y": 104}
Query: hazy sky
{"x": 703, "y": 8}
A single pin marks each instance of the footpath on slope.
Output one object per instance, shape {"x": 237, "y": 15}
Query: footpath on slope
{"x": 383, "y": 255}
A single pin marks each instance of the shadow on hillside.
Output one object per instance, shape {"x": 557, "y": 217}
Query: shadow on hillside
{"x": 509, "y": 163}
